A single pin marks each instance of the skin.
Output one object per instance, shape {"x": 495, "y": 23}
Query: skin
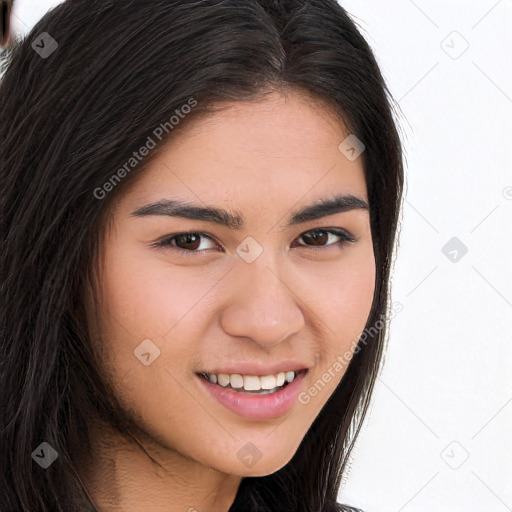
{"x": 264, "y": 159}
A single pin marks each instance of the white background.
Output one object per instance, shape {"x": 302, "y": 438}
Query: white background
{"x": 439, "y": 434}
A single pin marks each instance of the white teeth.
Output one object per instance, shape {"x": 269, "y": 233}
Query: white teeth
{"x": 236, "y": 381}
{"x": 268, "y": 382}
{"x": 252, "y": 382}
{"x": 222, "y": 379}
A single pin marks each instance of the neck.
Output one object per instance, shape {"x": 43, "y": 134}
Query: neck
{"x": 136, "y": 474}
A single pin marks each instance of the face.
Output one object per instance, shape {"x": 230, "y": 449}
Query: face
{"x": 254, "y": 291}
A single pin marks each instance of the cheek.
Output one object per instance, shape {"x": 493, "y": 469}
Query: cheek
{"x": 350, "y": 297}
{"x": 149, "y": 300}
{"x": 344, "y": 309}
{"x": 145, "y": 297}
{"x": 351, "y": 305}
{"x": 142, "y": 300}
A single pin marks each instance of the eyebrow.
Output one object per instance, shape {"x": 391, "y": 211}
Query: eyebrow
{"x": 235, "y": 220}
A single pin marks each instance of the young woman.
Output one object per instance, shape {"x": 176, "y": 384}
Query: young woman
{"x": 200, "y": 204}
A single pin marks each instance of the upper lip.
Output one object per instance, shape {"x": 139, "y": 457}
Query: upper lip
{"x": 253, "y": 368}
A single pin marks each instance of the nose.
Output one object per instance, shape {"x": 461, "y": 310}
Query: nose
{"x": 263, "y": 306}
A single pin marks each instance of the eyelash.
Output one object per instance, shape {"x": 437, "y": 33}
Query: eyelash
{"x": 166, "y": 242}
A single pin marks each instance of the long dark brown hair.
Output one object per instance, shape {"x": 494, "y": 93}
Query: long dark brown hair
{"x": 69, "y": 119}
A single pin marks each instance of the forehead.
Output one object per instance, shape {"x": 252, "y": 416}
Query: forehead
{"x": 260, "y": 153}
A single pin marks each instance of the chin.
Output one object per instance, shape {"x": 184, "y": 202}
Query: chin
{"x": 251, "y": 462}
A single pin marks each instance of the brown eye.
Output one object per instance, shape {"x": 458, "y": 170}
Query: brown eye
{"x": 321, "y": 237}
{"x": 316, "y": 237}
{"x": 188, "y": 241}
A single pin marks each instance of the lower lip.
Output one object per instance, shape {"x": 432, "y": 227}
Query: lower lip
{"x": 257, "y": 407}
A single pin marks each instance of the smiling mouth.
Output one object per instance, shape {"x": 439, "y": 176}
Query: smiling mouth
{"x": 252, "y": 384}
